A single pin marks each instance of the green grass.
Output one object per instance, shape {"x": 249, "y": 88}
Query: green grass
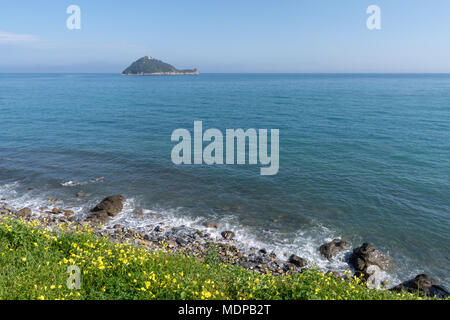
{"x": 34, "y": 262}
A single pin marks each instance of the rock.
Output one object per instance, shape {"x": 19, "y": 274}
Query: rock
{"x": 227, "y": 235}
{"x": 112, "y": 205}
{"x": 80, "y": 194}
{"x": 330, "y": 249}
{"x": 263, "y": 251}
{"x": 297, "y": 261}
{"x": 100, "y": 179}
{"x": 139, "y": 213}
{"x": 52, "y": 199}
{"x": 366, "y": 255}
{"x": 172, "y": 244}
{"x": 158, "y": 229}
{"x": 425, "y": 284}
{"x": 56, "y": 211}
{"x": 213, "y": 225}
{"x": 68, "y": 213}
{"x": 99, "y": 217}
{"x": 25, "y": 212}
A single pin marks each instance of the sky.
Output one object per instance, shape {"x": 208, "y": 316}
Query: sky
{"x": 227, "y": 35}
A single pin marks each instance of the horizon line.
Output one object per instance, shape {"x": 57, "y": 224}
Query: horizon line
{"x": 329, "y": 72}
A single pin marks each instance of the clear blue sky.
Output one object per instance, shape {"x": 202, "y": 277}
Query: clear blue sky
{"x": 227, "y": 35}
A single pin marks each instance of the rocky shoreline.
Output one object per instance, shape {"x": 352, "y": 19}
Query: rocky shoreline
{"x": 364, "y": 260}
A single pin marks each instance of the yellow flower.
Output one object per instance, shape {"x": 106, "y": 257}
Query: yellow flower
{"x": 24, "y": 259}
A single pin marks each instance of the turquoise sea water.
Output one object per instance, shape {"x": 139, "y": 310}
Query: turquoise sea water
{"x": 363, "y": 157}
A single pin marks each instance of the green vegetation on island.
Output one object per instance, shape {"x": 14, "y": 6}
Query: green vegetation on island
{"x": 34, "y": 259}
{"x": 149, "y": 66}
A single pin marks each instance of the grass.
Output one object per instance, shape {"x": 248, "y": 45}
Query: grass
{"x": 34, "y": 261}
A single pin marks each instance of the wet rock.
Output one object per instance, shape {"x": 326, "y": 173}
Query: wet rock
{"x": 80, "y": 194}
{"x": 227, "y": 235}
{"x": 139, "y": 213}
{"x": 56, "y": 211}
{"x": 181, "y": 242}
{"x": 297, "y": 261}
{"x": 112, "y": 205}
{"x": 425, "y": 284}
{"x": 199, "y": 233}
{"x": 100, "y": 179}
{"x": 366, "y": 255}
{"x": 330, "y": 249}
{"x": 213, "y": 225}
{"x": 25, "y": 212}
{"x": 263, "y": 251}
{"x": 52, "y": 199}
{"x": 158, "y": 229}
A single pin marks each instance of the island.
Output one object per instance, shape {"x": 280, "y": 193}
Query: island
{"x": 148, "y": 66}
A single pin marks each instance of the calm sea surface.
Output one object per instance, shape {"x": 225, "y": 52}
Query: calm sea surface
{"x": 363, "y": 157}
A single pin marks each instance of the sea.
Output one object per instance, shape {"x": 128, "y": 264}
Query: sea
{"x": 363, "y": 157}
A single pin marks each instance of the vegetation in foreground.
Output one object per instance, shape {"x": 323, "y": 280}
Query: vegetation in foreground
{"x": 34, "y": 261}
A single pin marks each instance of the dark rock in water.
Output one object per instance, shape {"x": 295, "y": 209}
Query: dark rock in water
{"x": 80, "y": 194}
{"x": 112, "y": 205}
{"x": 25, "y": 212}
{"x": 158, "y": 229}
{"x": 297, "y": 261}
{"x": 366, "y": 255}
{"x": 213, "y": 225}
{"x": 330, "y": 249}
{"x": 227, "y": 235}
{"x": 263, "y": 251}
{"x": 425, "y": 284}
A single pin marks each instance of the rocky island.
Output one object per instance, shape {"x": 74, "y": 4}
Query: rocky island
{"x": 148, "y": 66}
